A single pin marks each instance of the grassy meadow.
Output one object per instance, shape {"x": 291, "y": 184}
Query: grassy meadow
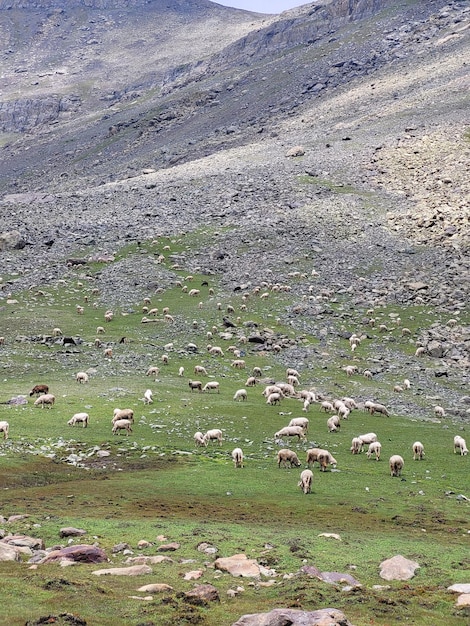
{"x": 155, "y": 485}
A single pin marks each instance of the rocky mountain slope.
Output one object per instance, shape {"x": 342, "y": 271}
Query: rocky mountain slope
{"x": 189, "y": 123}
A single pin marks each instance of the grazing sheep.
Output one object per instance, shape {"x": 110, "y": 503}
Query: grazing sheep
{"x": 312, "y": 455}
{"x": 165, "y": 359}
{"x": 39, "y": 389}
{"x": 343, "y": 411}
{"x": 333, "y": 423}
{"x": 405, "y": 332}
{"x": 290, "y": 431}
{"x": 374, "y": 448}
{"x": 195, "y": 384}
{"x": 368, "y": 438}
{"x": 181, "y": 371}
{"x": 286, "y": 456}
{"x": 100, "y": 330}
{"x": 290, "y": 371}
{"x": 237, "y": 456}
{"x": 215, "y": 434}
{"x": 306, "y": 479}
{"x": 212, "y": 385}
{"x": 300, "y": 421}
{"x": 240, "y": 395}
{"x": 148, "y": 397}
{"x": 325, "y": 458}
{"x": 194, "y": 292}
{"x": 56, "y": 332}
{"x": 356, "y": 445}
{"x": 238, "y": 364}
{"x": 251, "y": 381}
{"x": 327, "y": 407}
{"x": 108, "y": 316}
{"x": 200, "y": 369}
{"x": 119, "y": 414}
{"x": 257, "y": 372}
{"x": 306, "y": 406}
{"x": 153, "y": 370}
{"x": 439, "y": 411}
{"x": 122, "y": 424}
{"x": 215, "y": 351}
{"x": 350, "y": 403}
{"x": 79, "y": 418}
{"x": 406, "y": 383}
{"x": 274, "y": 398}
{"x": 367, "y": 374}
{"x": 350, "y": 369}
{"x": 307, "y": 394}
{"x": 396, "y": 465}
{"x": 420, "y": 351}
{"x": 169, "y": 318}
{"x": 81, "y": 377}
{"x": 4, "y": 428}
{"x": 80, "y": 310}
{"x": 287, "y": 390}
{"x": 293, "y": 380}
{"x": 378, "y": 408}
{"x": 199, "y": 439}
{"x": 397, "y": 388}
{"x": 47, "y": 399}
{"x": 418, "y": 451}
{"x": 108, "y": 353}
{"x": 460, "y": 444}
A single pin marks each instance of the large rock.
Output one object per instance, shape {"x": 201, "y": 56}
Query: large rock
{"x": 133, "y": 570}
{"x": 11, "y": 240}
{"x": 203, "y": 594}
{"x": 9, "y": 553}
{"x": 294, "y": 617}
{"x": 398, "y": 568}
{"x": 238, "y": 565}
{"x": 80, "y": 554}
{"x": 24, "y": 541}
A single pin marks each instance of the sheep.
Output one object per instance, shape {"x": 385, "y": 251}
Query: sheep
{"x": 215, "y": 351}
{"x": 305, "y": 483}
{"x": 79, "y": 418}
{"x": 153, "y": 370}
{"x": 214, "y": 434}
{"x": 257, "y": 372}
{"x": 396, "y": 463}
{"x": 406, "y": 383}
{"x": 405, "y": 332}
{"x": 108, "y": 316}
{"x": 368, "y": 438}
{"x": 290, "y": 371}
{"x": 306, "y": 394}
{"x": 290, "y": 431}
{"x": 240, "y": 395}
{"x": 343, "y": 411}
{"x": 239, "y": 364}
{"x": 119, "y": 414}
{"x": 181, "y": 371}
{"x": 374, "y": 448}
{"x": 212, "y": 385}
{"x": 293, "y": 380}
{"x": 199, "y": 439}
{"x": 81, "y": 377}
{"x": 286, "y": 456}
{"x": 122, "y": 424}
{"x": 194, "y": 292}
{"x": 148, "y": 397}
{"x": 165, "y": 359}
{"x": 46, "y": 399}
{"x": 200, "y": 369}
{"x": 4, "y": 428}
{"x": 397, "y": 388}
{"x": 108, "y": 353}
{"x": 333, "y": 423}
{"x": 367, "y": 374}
{"x": 250, "y": 381}
{"x": 80, "y": 309}
{"x": 168, "y": 347}
{"x": 39, "y": 389}
{"x": 2, "y": 341}
{"x": 350, "y": 369}
{"x": 287, "y": 389}
{"x": 350, "y": 403}
{"x": 56, "y": 332}
{"x": 460, "y": 444}
{"x": 439, "y": 411}
{"x": 378, "y": 408}
{"x": 274, "y": 398}
{"x": 100, "y": 330}
{"x": 306, "y": 406}
{"x": 300, "y": 421}
{"x": 418, "y": 451}
{"x": 325, "y": 458}
{"x": 327, "y": 407}
{"x": 420, "y": 351}
{"x": 237, "y": 456}
{"x": 356, "y": 445}
{"x": 312, "y": 455}
{"x": 195, "y": 384}
{"x": 169, "y": 318}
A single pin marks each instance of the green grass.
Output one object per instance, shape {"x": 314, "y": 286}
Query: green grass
{"x": 156, "y": 482}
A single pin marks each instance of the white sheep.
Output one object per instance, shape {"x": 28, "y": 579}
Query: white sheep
{"x": 368, "y": 438}
{"x": 396, "y": 463}
{"x": 333, "y": 423}
{"x": 287, "y": 389}
{"x": 273, "y": 398}
{"x": 240, "y": 395}
{"x": 293, "y": 380}
{"x": 214, "y": 434}
{"x": 108, "y": 353}
{"x": 251, "y": 381}
{"x": 212, "y": 385}
{"x": 290, "y": 371}
{"x": 148, "y": 399}
{"x": 257, "y": 372}
{"x": 195, "y": 384}
{"x": 4, "y": 428}
{"x": 122, "y": 424}
{"x": 239, "y": 364}
{"x": 56, "y": 332}
{"x": 421, "y": 351}
{"x": 200, "y": 369}
{"x": 100, "y": 330}
{"x": 119, "y": 414}
{"x": 237, "y": 456}
{"x": 286, "y": 457}
{"x": 350, "y": 369}
{"x": 81, "y": 377}
{"x": 325, "y": 458}
{"x": 46, "y": 399}
{"x": 406, "y": 383}
{"x": 306, "y": 479}
{"x": 290, "y": 431}
{"x": 312, "y": 455}
{"x": 356, "y": 445}
{"x": 327, "y": 406}
{"x": 79, "y": 418}
{"x": 374, "y": 448}
{"x": 181, "y": 371}
{"x": 439, "y": 411}
{"x": 350, "y": 403}
{"x": 300, "y": 421}
{"x": 418, "y": 450}
{"x": 367, "y": 374}
{"x": 460, "y": 444}
{"x": 215, "y": 351}
{"x": 199, "y": 439}
{"x": 153, "y": 370}
{"x": 378, "y": 408}
{"x": 306, "y": 405}
{"x": 165, "y": 359}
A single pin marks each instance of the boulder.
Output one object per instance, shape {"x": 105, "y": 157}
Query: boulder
{"x": 169, "y": 547}
{"x": 23, "y": 541}
{"x": 80, "y": 553}
{"x": 398, "y": 568}
{"x": 11, "y": 240}
{"x": 202, "y": 594}
{"x": 155, "y": 588}
{"x": 238, "y": 565}
{"x": 294, "y": 617}
{"x": 295, "y": 151}
{"x": 9, "y": 553}
{"x": 133, "y": 570}
{"x": 463, "y": 600}
{"x": 69, "y": 531}
{"x": 460, "y": 588}
{"x": 152, "y": 560}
